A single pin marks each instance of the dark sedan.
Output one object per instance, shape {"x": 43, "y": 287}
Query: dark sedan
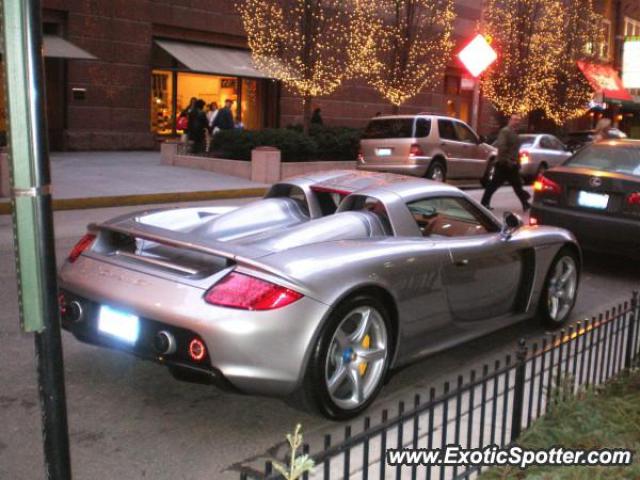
{"x": 596, "y": 195}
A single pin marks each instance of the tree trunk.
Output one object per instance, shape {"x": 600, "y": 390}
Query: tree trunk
{"x": 306, "y": 113}
{"x": 396, "y": 109}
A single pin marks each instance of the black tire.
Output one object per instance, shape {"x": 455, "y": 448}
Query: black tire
{"x": 544, "y": 308}
{"x": 314, "y": 389}
{"x": 437, "y": 171}
{"x": 489, "y": 173}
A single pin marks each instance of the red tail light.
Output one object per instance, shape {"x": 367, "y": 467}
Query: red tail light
{"x": 633, "y": 199}
{"x": 197, "y": 350}
{"x": 84, "y": 243}
{"x": 360, "y": 156}
{"x": 545, "y": 185}
{"x": 524, "y": 157}
{"x": 416, "y": 151}
{"x": 533, "y": 221}
{"x": 238, "y": 290}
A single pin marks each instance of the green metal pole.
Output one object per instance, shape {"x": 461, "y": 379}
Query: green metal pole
{"x": 33, "y": 221}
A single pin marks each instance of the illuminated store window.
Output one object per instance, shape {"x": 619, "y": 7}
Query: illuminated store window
{"x": 252, "y": 107}
{"x": 161, "y": 102}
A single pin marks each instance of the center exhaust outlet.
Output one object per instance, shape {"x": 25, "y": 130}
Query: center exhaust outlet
{"x": 164, "y": 343}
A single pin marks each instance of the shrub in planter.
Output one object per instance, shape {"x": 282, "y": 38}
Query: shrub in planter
{"x": 237, "y": 144}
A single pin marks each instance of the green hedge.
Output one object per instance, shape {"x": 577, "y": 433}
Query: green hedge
{"x": 322, "y": 143}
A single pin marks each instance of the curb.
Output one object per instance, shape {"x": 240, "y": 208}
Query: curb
{"x": 143, "y": 199}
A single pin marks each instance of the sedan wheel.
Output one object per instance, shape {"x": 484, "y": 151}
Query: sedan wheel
{"x": 561, "y": 287}
{"x": 351, "y": 360}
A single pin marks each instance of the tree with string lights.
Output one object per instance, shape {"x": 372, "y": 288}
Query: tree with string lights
{"x": 581, "y": 33}
{"x": 526, "y": 35}
{"x": 413, "y": 47}
{"x": 309, "y": 45}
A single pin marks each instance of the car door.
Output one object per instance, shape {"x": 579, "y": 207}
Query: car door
{"x": 559, "y": 150}
{"x": 474, "y": 160}
{"x": 452, "y": 148}
{"x": 483, "y": 277}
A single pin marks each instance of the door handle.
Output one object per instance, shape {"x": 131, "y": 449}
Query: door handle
{"x": 462, "y": 263}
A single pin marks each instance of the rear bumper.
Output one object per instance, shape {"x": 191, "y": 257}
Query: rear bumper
{"x": 593, "y": 231}
{"x": 417, "y": 169}
{"x": 261, "y": 352}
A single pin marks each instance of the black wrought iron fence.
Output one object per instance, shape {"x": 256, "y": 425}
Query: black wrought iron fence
{"x": 487, "y": 407}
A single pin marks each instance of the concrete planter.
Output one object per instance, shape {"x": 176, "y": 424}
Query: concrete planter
{"x": 265, "y": 165}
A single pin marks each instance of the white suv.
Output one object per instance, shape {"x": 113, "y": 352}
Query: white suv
{"x": 425, "y": 145}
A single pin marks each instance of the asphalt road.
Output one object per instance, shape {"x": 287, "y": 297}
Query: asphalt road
{"x": 129, "y": 419}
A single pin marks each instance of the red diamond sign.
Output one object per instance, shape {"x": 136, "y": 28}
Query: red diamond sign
{"x": 477, "y": 55}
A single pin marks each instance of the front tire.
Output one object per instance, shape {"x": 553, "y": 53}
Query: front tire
{"x": 560, "y": 289}
{"x": 351, "y": 359}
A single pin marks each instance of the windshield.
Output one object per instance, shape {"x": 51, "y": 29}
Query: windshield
{"x": 389, "y": 128}
{"x": 609, "y": 158}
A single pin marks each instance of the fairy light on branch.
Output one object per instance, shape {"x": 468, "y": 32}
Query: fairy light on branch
{"x": 525, "y": 34}
{"x": 413, "y": 47}
{"x": 571, "y": 92}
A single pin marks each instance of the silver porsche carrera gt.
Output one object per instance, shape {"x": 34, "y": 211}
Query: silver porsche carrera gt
{"x": 317, "y": 290}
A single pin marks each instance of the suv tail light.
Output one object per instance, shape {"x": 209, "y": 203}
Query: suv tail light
{"x": 524, "y": 157}
{"x": 84, "y": 243}
{"x": 545, "y": 185}
{"x": 238, "y": 290}
{"x": 416, "y": 151}
{"x": 633, "y": 199}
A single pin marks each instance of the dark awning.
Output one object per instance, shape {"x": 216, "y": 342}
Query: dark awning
{"x": 203, "y": 58}
{"x": 58, "y": 47}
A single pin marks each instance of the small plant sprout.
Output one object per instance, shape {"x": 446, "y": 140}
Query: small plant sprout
{"x": 299, "y": 464}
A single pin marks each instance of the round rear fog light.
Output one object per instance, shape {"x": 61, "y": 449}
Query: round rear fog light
{"x": 197, "y": 350}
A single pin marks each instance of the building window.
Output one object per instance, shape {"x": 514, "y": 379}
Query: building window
{"x": 631, "y": 27}
{"x": 606, "y": 40}
{"x": 210, "y": 88}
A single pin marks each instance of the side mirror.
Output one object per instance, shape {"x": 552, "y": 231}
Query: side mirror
{"x": 512, "y": 222}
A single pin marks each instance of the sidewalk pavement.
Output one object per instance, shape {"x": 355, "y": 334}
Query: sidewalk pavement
{"x": 106, "y": 179}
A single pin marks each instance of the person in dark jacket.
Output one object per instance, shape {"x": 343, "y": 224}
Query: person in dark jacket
{"x": 507, "y": 166}
{"x": 316, "y": 118}
{"x": 197, "y": 127}
{"x": 224, "y": 118}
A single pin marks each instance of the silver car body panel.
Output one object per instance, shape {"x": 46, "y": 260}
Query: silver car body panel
{"x": 541, "y": 153}
{"x": 439, "y": 291}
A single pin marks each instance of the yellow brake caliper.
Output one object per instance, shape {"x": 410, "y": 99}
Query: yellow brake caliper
{"x": 366, "y": 343}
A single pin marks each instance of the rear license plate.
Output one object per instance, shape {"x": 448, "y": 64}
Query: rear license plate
{"x": 118, "y": 324}
{"x": 593, "y": 200}
{"x": 383, "y": 152}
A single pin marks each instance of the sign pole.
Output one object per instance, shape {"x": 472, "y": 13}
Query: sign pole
{"x": 33, "y": 222}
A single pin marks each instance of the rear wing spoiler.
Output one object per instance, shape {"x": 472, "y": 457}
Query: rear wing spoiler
{"x": 237, "y": 254}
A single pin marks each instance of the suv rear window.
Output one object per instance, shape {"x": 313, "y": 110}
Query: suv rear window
{"x": 618, "y": 159}
{"x": 389, "y": 128}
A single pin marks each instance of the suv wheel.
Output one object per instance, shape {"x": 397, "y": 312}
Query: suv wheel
{"x": 437, "y": 171}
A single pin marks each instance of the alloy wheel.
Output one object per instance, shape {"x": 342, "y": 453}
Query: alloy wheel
{"x": 358, "y": 353}
{"x": 562, "y": 288}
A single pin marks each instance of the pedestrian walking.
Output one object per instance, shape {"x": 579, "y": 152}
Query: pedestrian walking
{"x": 316, "y": 117}
{"x": 224, "y": 117}
{"x": 602, "y": 130}
{"x": 197, "y": 127}
{"x": 182, "y": 122}
{"x": 507, "y": 167}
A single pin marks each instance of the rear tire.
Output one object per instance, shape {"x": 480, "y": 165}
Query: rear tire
{"x": 560, "y": 289}
{"x": 339, "y": 382}
{"x": 437, "y": 171}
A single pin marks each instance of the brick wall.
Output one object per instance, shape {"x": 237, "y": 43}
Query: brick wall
{"x": 115, "y": 111}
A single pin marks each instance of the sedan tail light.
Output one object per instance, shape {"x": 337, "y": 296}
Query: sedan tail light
{"x": 84, "y": 243}
{"x": 416, "y": 151}
{"x": 633, "y": 199}
{"x": 524, "y": 157}
{"x": 545, "y": 185}
{"x": 245, "y": 292}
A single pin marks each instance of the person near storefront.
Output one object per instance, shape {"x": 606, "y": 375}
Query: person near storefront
{"x": 224, "y": 118}
{"x": 212, "y": 113}
{"x": 602, "y": 130}
{"x": 197, "y": 127}
{"x": 507, "y": 166}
